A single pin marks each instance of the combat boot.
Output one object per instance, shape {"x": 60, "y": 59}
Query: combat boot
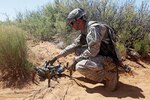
{"x": 111, "y": 81}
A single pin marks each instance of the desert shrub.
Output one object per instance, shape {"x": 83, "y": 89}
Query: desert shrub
{"x": 143, "y": 47}
{"x": 130, "y": 22}
{"x": 13, "y": 55}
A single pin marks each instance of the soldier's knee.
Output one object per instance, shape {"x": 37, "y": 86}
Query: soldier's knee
{"x": 79, "y": 66}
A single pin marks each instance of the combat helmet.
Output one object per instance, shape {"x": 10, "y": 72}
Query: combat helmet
{"x": 76, "y": 14}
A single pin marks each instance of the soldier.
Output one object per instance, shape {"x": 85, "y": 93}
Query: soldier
{"x": 95, "y": 49}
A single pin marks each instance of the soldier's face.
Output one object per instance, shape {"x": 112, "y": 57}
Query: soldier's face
{"x": 78, "y": 24}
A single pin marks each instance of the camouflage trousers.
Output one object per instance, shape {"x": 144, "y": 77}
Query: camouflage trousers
{"x": 95, "y": 68}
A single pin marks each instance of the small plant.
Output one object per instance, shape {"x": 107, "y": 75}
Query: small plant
{"x": 13, "y": 55}
{"x": 122, "y": 49}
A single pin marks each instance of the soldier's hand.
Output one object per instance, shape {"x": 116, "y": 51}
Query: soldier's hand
{"x": 72, "y": 66}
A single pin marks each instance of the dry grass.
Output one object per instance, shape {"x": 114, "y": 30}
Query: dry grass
{"x": 13, "y": 55}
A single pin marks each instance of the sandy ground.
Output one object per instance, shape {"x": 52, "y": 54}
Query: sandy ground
{"x": 130, "y": 87}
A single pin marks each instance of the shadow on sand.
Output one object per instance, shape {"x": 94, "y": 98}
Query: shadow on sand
{"x": 123, "y": 91}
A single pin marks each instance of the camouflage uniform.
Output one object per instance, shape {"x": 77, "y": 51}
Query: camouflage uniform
{"x": 91, "y": 62}
{"x": 95, "y": 48}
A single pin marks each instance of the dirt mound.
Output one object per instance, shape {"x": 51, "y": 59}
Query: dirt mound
{"x": 130, "y": 87}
